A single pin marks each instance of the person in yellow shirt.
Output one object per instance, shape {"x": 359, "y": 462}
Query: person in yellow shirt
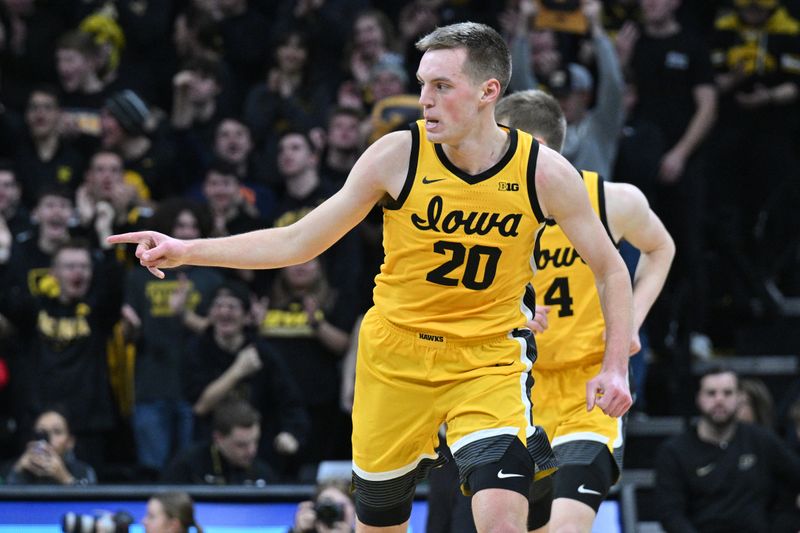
{"x": 587, "y": 442}
{"x": 446, "y": 340}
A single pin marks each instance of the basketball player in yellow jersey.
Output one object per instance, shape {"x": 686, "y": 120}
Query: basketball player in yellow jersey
{"x": 587, "y": 443}
{"x": 446, "y": 340}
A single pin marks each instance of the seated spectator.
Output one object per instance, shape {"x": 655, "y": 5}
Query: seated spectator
{"x": 231, "y": 456}
{"x": 170, "y": 512}
{"x": 755, "y": 403}
{"x": 331, "y": 511}
{"x": 721, "y": 475}
{"x": 49, "y": 457}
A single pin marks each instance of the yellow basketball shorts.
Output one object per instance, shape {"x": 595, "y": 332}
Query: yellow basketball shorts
{"x": 410, "y": 382}
{"x": 559, "y": 400}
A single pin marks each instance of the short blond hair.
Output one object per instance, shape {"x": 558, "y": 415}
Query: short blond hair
{"x": 488, "y": 55}
{"x": 535, "y": 112}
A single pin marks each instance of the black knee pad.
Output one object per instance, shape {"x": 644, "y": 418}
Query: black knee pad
{"x": 384, "y": 503}
{"x": 383, "y": 516}
{"x": 540, "y": 502}
{"x": 513, "y": 471}
{"x": 588, "y": 484}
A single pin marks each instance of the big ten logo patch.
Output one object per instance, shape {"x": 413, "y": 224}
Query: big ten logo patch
{"x": 507, "y": 186}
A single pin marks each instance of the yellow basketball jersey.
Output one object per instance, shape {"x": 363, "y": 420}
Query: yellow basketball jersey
{"x": 565, "y": 283}
{"x": 458, "y": 247}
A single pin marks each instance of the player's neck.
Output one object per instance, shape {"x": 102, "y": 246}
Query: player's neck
{"x": 478, "y": 152}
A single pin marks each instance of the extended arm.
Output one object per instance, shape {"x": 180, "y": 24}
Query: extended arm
{"x": 380, "y": 170}
{"x": 563, "y": 196}
{"x": 630, "y": 218}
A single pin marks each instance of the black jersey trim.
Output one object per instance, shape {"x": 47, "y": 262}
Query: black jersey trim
{"x": 486, "y": 174}
{"x": 533, "y": 198}
{"x": 413, "y": 159}
{"x": 601, "y": 205}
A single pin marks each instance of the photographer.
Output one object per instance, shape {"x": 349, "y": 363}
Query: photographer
{"x": 49, "y": 458}
{"x": 331, "y": 511}
{"x": 170, "y": 512}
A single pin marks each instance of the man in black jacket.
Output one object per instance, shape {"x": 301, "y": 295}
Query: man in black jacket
{"x": 230, "y": 458}
{"x": 723, "y": 474}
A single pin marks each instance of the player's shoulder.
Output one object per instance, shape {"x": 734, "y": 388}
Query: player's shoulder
{"x": 624, "y": 198}
{"x": 384, "y": 164}
{"x": 394, "y": 147}
{"x": 553, "y": 170}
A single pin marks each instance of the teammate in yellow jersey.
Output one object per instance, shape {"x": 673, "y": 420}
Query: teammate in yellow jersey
{"x": 446, "y": 340}
{"x": 587, "y": 442}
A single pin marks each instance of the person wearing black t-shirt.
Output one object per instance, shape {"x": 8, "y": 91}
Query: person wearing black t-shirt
{"x": 755, "y": 51}
{"x": 28, "y": 271}
{"x": 43, "y": 157}
{"x": 676, "y": 93}
{"x": 722, "y": 475}
{"x": 65, "y": 334}
{"x": 305, "y": 189}
{"x": 159, "y": 315}
{"x": 229, "y": 361}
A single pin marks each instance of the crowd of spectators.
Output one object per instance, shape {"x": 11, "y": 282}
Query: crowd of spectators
{"x": 214, "y": 117}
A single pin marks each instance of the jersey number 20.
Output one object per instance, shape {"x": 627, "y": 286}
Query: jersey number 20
{"x": 458, "y": 253}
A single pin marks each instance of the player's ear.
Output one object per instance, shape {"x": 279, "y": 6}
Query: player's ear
{"x": 491, "y": 90}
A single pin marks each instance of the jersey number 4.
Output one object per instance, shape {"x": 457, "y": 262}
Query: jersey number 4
{"x": 558, "y": 294}
{"x": 476, "y": 257}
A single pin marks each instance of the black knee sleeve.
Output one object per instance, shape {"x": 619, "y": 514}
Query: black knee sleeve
{"x": 383, "y": 516}
{"x": 386, "y": 502}
{"x": 514, "y": 471}
{"x": 540, "y": 502}
{"x": 588, "y": 484}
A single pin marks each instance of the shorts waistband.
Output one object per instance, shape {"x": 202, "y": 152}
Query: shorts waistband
{"x": 430, "y": 337}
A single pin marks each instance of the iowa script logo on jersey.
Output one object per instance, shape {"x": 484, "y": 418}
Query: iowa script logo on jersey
{"x": 472, "y": 222}
{"x": 560, "y": 257}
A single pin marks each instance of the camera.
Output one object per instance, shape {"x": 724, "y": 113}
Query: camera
{"x": 329, "y": 512}
{"x": 101, "y": 522}
{"x": 42, "y": 439}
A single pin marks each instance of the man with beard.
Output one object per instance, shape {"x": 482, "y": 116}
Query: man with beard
{"x": 722, "y": 475}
